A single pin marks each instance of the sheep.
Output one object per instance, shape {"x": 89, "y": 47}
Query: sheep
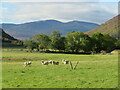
{"x": 27, "y": 63}
{"x": 65, "y": 61}
{"x": 51, "y": 61}
{"x": 55, "y": 63}
{"x": 44, "y": 62}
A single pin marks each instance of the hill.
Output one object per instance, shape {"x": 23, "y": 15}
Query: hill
{"x": 5, "y": 36}
{"x": 109, "y": 27}
{"x": 9, "y": 41}
{"x": 26, "y": 30}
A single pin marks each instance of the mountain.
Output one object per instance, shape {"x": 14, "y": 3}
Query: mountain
{"x": 25, "y": 30}
{"x": 110, "y": 27}
{"x": 5, "y": 36}
{"x": 8, "y": 41}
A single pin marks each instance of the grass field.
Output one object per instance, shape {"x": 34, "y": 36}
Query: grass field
{"x": 93, "y": 71}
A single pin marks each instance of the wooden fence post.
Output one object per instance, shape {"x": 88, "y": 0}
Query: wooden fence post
{"x": 75, "y": 66}
{"x": 71, "y": 65}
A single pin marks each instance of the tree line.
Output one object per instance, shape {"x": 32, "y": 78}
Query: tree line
{"x": 74, "y": 42}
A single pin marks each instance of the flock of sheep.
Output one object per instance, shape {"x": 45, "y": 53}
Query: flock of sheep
{"x": 47, "y": 62}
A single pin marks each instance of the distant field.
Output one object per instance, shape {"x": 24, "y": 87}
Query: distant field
{"x": 93, "y": 71}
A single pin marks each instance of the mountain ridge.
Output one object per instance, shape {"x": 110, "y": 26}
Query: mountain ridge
{"x": 109, "y": 27}
{"x": 6, "y": 36}
{"x": 26, "y": 30}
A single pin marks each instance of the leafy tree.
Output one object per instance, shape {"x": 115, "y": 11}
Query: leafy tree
{"x": 97, "y": 39}
{"x": 103, "y": 42}
{"x": 57, "y": 42}
{"x": 17, "y": 42}
{"x": 117, "y": 44}
{"x": 43, "y": 41}
{"x": 30, "y": 44}
{"x": 61, "y": 43}
{"x": 86, "y": 43}
{"x": 76, "y": 41}
{"x": 108, "y": 42}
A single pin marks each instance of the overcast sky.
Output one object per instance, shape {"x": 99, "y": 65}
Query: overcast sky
{"x": 21, "y": 12}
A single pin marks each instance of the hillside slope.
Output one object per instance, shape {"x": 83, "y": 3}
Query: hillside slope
{"x": 8, "y": 41}
{"x": 5, "y": 36}
{"x": 109, "y": 27}
{"x": 46, "y": 27}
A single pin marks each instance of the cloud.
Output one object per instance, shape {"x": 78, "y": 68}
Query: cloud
{"x": 2, "y": 11}
{"x": 94, "y": 12}
{"x": 60, "y": 0}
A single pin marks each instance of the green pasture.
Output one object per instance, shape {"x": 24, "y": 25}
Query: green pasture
{"x": 93, "y": 71}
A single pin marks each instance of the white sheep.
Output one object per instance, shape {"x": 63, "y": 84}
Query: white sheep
{"x": 65, "y": 61}
{"x": 51, "y": 61}
{"x": 44, "y": 62}
{"x": 27, "y": 63}
{"x": 56, "y": 63}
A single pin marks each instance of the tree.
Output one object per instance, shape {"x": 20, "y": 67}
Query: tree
{"x": 97, "y": 39}
{"x": 117, "y": 44}
{"x": 108, "y": 42}
{"x": 61, "y": 43}
{"x": 30, "y": 44}
{"x": 42, "y": 40}
{"x": 86, "y": 43}
{"x": 57, "y": 42}
{"x": 103, "y": 42}
{"x": 77, "y": 41}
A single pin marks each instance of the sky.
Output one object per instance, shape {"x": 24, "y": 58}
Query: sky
{"x": 92, "y": 11}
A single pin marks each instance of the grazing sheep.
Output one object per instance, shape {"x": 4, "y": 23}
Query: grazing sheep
{"x": 51, "y": 61}
{"x": 27, "y": 63}
{"x": 65, "y": 61}
{"x": 44, "y": 62}
{"x": 56, "y": 63}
